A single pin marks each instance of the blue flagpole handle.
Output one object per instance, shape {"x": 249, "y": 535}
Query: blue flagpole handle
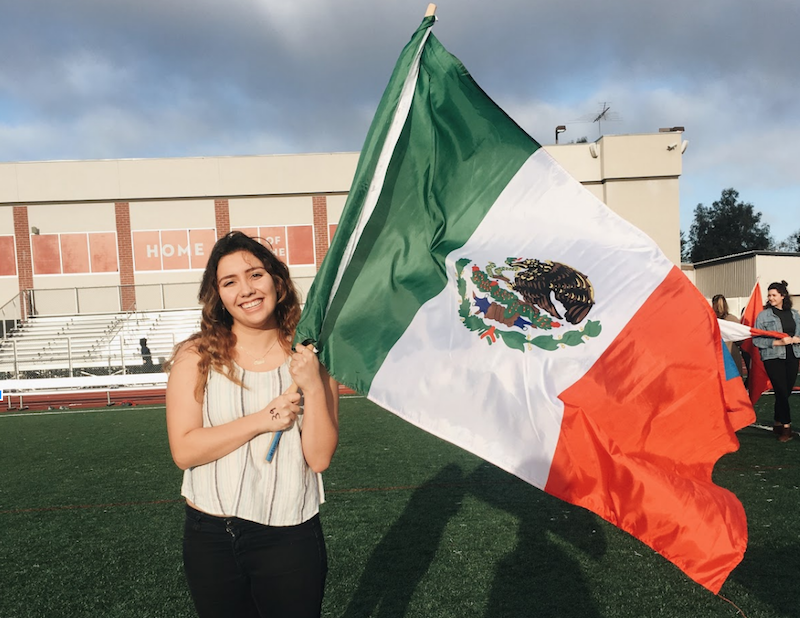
{"x": 274, "y": 446}
{"x": 277, "y": 437}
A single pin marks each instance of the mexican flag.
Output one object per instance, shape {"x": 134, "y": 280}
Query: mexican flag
{"x": 478, "y": 291}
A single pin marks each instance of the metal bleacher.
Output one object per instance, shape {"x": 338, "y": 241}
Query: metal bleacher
{"x": 93, "y": 344}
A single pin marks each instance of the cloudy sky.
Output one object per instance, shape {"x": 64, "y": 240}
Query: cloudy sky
{"x": 94, "y": 79}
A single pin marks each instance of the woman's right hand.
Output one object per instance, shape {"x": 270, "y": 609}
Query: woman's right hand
{"x": 281, "y": 413}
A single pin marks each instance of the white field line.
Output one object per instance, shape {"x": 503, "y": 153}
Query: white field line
{"x": 86, "y": 411}
{"x": 109, "y": 409}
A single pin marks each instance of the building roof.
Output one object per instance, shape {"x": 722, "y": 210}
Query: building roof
{"x": 742, "y": 256}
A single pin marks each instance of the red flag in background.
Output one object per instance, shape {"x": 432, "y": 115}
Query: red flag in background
{"x": 757, "y": 380}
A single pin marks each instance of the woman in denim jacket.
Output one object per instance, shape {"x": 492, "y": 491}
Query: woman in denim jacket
{"x": 780, "y": 356}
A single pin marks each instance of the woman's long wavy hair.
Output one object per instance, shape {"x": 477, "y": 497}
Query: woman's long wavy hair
{"x": 783, "y": 289}
{"x": 215, "y": 342}
{"x": 720, "y": 306}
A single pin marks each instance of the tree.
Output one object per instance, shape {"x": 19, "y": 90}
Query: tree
{"x": 792, "y": 243}
{"x": 685, "y": 254}
{"x": 726, "y": 227}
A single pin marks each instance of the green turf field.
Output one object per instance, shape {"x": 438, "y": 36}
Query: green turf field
{"x": 91, "y": 521}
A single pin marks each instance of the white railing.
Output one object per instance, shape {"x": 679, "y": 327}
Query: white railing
{"x": 112, "y": 298}
{"x": 98, "y": 344}
{"x": 62, "y": 357}
{"x": 11, "y": 314}
{"x": 98, "y": 299}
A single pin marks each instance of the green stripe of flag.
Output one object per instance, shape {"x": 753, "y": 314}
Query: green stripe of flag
{"x": 456, "y": 152}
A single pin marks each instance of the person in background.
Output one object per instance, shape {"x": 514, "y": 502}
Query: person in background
{"x": 745, "y": 359}
{"x": 147, "y": 356}
{"x": 720, "y": 305}
{"x": 780, "y": 356}
{"x": 253, "y": 543}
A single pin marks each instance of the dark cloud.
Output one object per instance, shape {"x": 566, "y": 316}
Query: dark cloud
{"x": 118, "y": 78}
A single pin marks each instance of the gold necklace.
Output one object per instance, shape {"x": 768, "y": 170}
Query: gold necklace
{"x": 262, "y": 359}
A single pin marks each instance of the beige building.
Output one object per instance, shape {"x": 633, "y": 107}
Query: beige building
{"x": 113, "y": 235}
{"x": 734, "y": 276}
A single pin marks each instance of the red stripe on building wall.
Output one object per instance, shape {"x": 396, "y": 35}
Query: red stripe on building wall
{"x": 222, "y": 216}
{"x": 122, "y": 212}
{"x": 320, "y": 208}
{"x": 22, "y": 238}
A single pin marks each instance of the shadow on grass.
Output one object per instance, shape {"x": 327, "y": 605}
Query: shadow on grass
{"x": 541, "y": 576}
{"x": 405, "y": 553}
{"x": 769, "y": 574}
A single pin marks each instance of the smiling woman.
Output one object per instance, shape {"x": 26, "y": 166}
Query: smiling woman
{"x": 253, "y": 542}
{"x": 248, "y": 293}
{"x": 780, "y": 356}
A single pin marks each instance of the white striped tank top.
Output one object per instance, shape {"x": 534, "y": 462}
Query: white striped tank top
{"x": 285, "y": 492}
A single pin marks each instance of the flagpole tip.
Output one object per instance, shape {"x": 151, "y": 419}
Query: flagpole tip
{"x": 431, "y": 10}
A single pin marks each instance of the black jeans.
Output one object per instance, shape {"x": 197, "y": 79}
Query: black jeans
{"x": 238, "y": 568}
{"x": 783, "y": 374}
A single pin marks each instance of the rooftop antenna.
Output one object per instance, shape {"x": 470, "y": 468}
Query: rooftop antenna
{"x": 605, "y": 114}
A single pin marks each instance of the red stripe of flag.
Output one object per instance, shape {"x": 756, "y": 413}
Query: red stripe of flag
{"x": 638, "y": 440}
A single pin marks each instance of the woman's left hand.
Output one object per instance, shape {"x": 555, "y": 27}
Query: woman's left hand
{"x": 304, "y": 368}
